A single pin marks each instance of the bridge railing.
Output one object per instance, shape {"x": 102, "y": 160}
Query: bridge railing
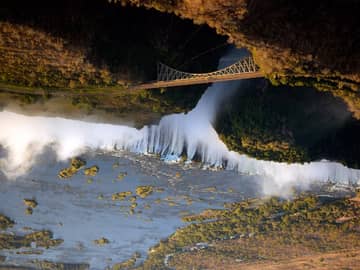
{"x": 245, "y": 65}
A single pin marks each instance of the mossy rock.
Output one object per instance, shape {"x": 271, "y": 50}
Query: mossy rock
{"x": 32, "y": 203}
{"x": 48, "y": 265}
{"x": 121, "y": 175}
{"x": 77, "y": 163}
{"x": 92, "y": 171}
{"x": 67, "y": 172}
{"x": 75, "y": 166}
{"x": 144, "y": 191}
{"x": 102, "y": 241}
{"x": 29, "y": 211}
{"x": 5, "y": 222}
{"x": 283, "y": 222}
{"x": 41, "y": 238}
{"x": 120, "y": 196}
{"x": 128, "y": 264}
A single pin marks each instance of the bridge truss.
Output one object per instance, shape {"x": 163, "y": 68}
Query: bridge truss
{"x": 245, "y": 65}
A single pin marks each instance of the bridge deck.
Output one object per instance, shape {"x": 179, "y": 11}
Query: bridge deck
{"x": 191, "y": 81}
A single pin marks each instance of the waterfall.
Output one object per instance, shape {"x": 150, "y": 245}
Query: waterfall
{"x": 24, "y": 137}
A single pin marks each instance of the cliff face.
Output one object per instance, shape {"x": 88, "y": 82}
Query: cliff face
{"x": 311, "y": 43}
{"x": 89, "y": 52}
{"x": 289, "y": 124}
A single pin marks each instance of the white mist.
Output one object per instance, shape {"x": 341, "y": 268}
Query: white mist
{"x": 25, "y": 137}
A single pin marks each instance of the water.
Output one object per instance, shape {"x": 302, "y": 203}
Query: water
{"x": 25, "y": 137}
{"x": 73, "y": 211}
{"x": 35, "y": 148}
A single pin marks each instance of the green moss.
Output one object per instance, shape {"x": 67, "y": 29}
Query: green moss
{"x": 102, "y": 241}
{"x": 128, "y": 264}
{"x": 41, "y": 238}
{"x": 281, "y": 221}
{"x": 5, "y": 222}
{"x": 75, "y": 166}
{"x": 120, "y": 196}
{"x": 121, "y": 175}
{"x": 77, "y": 163}
{"x": 289, "y": 125}
{"x": 48, "y": 265}
{"x": 28, "y": 211}
{"x": 144, "y": 191}
{"x": 92, "y": 171}
{"x": 32, "y": 203}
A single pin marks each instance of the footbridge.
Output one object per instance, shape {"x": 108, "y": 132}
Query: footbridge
{"x": 167, "y": 76}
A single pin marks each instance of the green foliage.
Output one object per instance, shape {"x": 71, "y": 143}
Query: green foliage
{"x": 253, "y": 125}
{"x": 75, "y": 166}
{"x": 297, "y": 222}
{"x": 289, "y": 124}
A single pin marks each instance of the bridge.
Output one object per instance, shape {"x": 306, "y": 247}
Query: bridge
{"x": 167, "y": 76}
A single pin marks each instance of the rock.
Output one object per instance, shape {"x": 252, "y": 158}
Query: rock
{"x": 28, "y": 211}
{"x": 92, "y": 171}
{"x": 32, "y": 203}
{"x": 5, "y": 222}
{"x": 77, "y": 163}
{"x": 75, "y": 166}
{"x": 41, "y": 239}
{"x": 102, "y": 241}
{"x": 120, "y": 196}
{"x": 89, "y": 181}
{"x": 128, "y": 264}
{"x": 48, "y": 265}
{"x": 115, "y": 165}
{"x": 121, "y": 175}
{"x": 171, "y": 204}
{"x": 67, "y": 172}
{"x": 133, "y": 205}
{"x": 144, "y": 191}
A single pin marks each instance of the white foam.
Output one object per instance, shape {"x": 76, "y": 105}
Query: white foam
{"x": 24, "y": 137}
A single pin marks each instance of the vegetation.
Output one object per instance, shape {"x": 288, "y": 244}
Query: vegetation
{"x": 288, "y": 48}
{"x": 120, "y": 196}
{"x": 75, "y": 166}
{"x": 128, "y": 264}
{"x": 41, "y": 238}
{"x": 144, "y": 191}
{"x": 121, "y": 175}
{"x": 48, "y": 265}
{"x": 102, "y": 241}
{"x": 92, "y": 171}
{"x": 289, "y": 125}
{"x": 261, "y": 230}
{"x": 32, "y": 203}
{"x": 28, "y": 211}
{"x": 103, "y": 47}
{"x": 5, "y": 222}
